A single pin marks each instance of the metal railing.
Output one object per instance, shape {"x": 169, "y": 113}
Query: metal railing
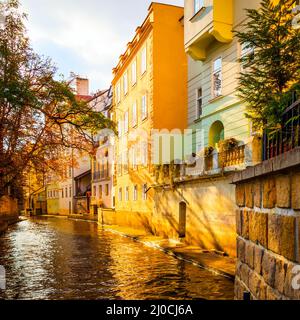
{"x": 101, "y": 175}
{"x": 287, "y": 137}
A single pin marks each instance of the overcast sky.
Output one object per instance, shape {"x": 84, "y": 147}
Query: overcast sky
{"x": 85, "y": 36}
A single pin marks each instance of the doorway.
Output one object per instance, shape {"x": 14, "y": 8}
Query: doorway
{"x": 182, "y": 220}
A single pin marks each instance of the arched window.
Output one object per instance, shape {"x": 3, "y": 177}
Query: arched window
{"x": 216, "y": 133}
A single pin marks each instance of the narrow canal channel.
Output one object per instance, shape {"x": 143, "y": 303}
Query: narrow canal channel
{"x": 65, "y": 259}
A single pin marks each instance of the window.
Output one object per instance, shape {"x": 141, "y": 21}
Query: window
{"x": 125, "y": 164}
{"x": 66, "y": 190}
{"x": 100, "y": 192}
{"x": 198, "y": 5}
{"x": 217, "y": 78}
{"x": 126, "y": 122}
{"x": 120, "y": 194}
{"x": 94, "y": 191}
{"x": 144, "y": 107}
{"x": 70, "y": 192}
{"x": 247, "y": 54}
{"x": 120, "y": 128}
{"x": 144, "y": 154}
{"x": 127, "y": 194}
{"x": 125, "y": 83}
{"x": 134, "y": 114}
{"x": 107, "y": 190}
{"x": 133, "y": 73}
{"x": 118, "y": 92}
{"x": 144, "y": 61}
{"x": 62, "y": 193}
{"x": 120, "y": 165}
{"x": 134, "y": 157}
{"x": 199, "y": 100}
{"x": 145, "y": 189}
{"x": 107, "y": 169}
{"x": 135, "y": 193}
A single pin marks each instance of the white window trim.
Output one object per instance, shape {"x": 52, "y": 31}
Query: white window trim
{"x": 200, "y": 6}
{"x": 144, "y": 115}
{"x": 126, "y": 122}
{"x": 245, "y": 53}
{"x": 134, "y": 114}
{"x": 134, "y": 72}
{"x": 198, "y": 116}
{"x": 125, "y": 83}
{"x": 144, "y": 60}
{"x": 118, "y": 92}
{"x": 214, "y": 96}
{"x": 127, "y": 194}
{"x": 145, "y": 188}
{"x": 120, "y": 194}
{"x": 135, "y": 193}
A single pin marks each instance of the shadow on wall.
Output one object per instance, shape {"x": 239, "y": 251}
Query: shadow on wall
{"x": 8, "y": 208}
{"x": 210, "y": 218}
{"x": 203, "y": 215}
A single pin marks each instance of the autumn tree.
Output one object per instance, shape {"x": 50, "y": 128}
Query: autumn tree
{"x": 272, "y": 74}
{"x": 40, "y": 116}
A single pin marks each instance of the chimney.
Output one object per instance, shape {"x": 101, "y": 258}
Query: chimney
{"x": 82, "y": 86}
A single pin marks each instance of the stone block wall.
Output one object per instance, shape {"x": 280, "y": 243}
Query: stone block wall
{"x": 268, "y": 228}
{"x": 8, "y": 212}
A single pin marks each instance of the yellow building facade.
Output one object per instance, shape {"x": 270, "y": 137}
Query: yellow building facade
{"x": 150, "y": 92}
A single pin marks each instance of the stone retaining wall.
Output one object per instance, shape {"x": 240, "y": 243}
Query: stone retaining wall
{"x": 268, "y": 228}
{"x": 8, "y": 212}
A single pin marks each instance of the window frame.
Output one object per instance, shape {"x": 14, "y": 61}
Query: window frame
{"x": 198, "y": 5}
{"x": 214, "y": 72}
{"x": 134, "y": 114}
{"x": 244, "y": 53}
{"x": 126, "y": 122}
{"x": 198, "y": 99}
{"x": 120, "y": 194}
{"x": 135, "y": 193}
{"x": 100, "y": 189}
{"x": 134, "y": 73}
{"x": 144, "y": 60}
{"x": 144, "y": 104}
{"x": 118, "y": 92}
{"x": 145, "y": 188}
{"x": 125, "y": 83}
{"x": 127, "y": 194}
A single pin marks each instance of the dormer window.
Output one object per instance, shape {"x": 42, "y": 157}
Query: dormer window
{"x": 198, "y": 5}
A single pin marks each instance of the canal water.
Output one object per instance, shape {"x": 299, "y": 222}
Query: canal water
{"x": 66, "y": 259}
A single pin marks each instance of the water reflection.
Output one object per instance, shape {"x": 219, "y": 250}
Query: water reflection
{"x": 64, "y": 259}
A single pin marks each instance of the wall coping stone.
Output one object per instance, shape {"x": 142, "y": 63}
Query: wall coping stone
{"x": 285, "y": 161}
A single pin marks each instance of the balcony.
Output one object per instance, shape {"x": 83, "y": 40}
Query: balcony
{"x": 101, "y": 175}
{"x": 214, "y": 22}
{"x": 211, "y": 162}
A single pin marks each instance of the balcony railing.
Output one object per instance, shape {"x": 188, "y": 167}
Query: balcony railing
{"x": 213, "y": 163}
{"x": 287, "y": 137}
{"x": 232, "y": 157}
{"x": 101, "y": 175}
